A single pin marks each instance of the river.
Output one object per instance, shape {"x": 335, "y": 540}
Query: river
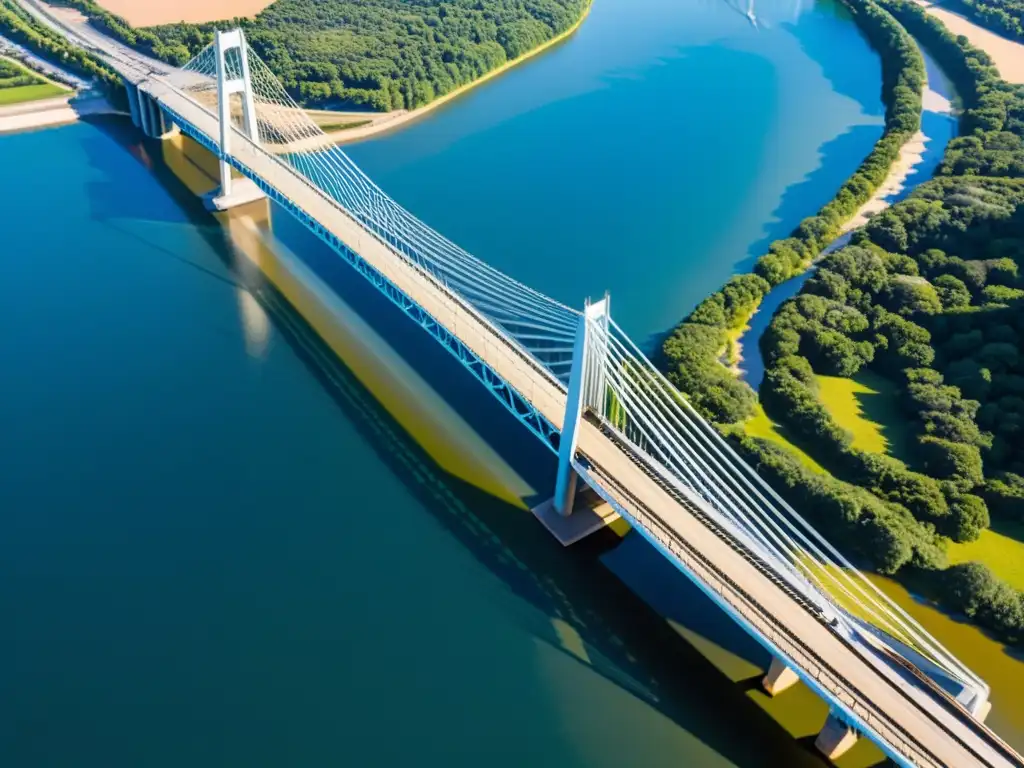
{"x": 223, "y": 546}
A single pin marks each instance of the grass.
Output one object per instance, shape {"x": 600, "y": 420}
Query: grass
{"x": 867, "y": 406}
{"x": 1001, "y": 548}
{"x": 332, "y": 127}
{"x": 25, "y": 93}
{"x": 759, "y": 425}
{"x": 15, "y": 90}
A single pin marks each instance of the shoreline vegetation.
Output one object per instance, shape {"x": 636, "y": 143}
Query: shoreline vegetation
{"x": 20, "y": 85}
{"x": 20, "y": 27}
{"x": 387, "y": 58}
{"x": 1006, "y": 53}
{"x": 692, "y": 353}
{"x": 930, "y": 298}
{"x": 1005, "y": 17}
{"x": 376, "y": 127}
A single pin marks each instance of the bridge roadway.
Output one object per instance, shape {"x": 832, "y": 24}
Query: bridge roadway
{"x": 929, "y": 731}
{"x": 912, "y": 725}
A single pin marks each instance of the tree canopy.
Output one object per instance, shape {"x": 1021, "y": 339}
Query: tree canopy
{"x": 380, "y": 54}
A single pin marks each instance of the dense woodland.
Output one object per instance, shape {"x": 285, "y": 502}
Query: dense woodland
{"x": 931, "y": 295}
{"x": 691, "y": 352}
{"x": 22, "y": 28}
{"x": 1003, "y": 16}
{"x": 378, "y": 54}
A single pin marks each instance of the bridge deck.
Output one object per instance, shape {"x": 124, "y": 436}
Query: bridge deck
{"x": 927, "y": 735}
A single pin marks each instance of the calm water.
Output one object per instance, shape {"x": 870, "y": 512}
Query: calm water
{"x": 656, "y": 152}
{"x": 939, "y": 125}
{"x": 221, "y": 546}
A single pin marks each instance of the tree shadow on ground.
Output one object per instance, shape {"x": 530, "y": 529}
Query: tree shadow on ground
{"x": 881, "y": 407}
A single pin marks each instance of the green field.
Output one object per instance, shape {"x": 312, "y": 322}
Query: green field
{"x": 1001, "y": 548}
{"x": 19, "y": 85}
{"x": 867, "y": 406}
{"x": 759, "y": 425}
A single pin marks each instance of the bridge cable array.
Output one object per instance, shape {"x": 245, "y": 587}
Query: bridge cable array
{"x": 542, "y": 326}
{"x": 632, "y": 399}
{"x": 690, "y": 457}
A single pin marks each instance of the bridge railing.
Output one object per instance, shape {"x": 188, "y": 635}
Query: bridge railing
{"x": 241, "y": 140}
{"x": 846, "y": 697}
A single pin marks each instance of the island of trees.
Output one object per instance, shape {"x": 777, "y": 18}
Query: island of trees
{"x": 929, "y": 295}
{"x": 376, "y": 54}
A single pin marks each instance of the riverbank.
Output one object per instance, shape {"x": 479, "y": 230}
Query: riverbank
{"x": 938, "y": 100}
{"x": 394, "y": 120}
{"x": 1006, "y": 54}
{"x": 51, "y": 112}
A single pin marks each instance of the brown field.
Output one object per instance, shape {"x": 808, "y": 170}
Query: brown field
{"x": 146, "y": 13}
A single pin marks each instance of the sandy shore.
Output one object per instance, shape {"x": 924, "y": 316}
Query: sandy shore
{"x": 389, "y": 121}
{"x": 1008, "y": 55}
{"x": 911, "y": 155}
{"x": 147, "y": 13}
{"x": 49, "y": 112}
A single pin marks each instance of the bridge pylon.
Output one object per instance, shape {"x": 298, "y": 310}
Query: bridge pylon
{"x": 232, "y": 80}
{"x": 586, "y": 387}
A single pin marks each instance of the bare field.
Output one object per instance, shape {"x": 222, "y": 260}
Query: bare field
{"x": 147, "y": 13}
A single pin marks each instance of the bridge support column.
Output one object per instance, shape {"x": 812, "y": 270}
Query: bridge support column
{"x": 232, "y": 80}
{"x": 587, "y": 365}
{"x": 144, "y": 112}
{"x": 779, "y": 677}
{"x": 133, "y": 103}
{"x": 571, "y": 516}
{"x": 836, "y": 738}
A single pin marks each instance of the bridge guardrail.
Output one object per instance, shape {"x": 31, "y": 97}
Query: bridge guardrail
{"x": 773, "y": 630}
{"x": 861, "y": 705}
{"x": 840, "y": 690}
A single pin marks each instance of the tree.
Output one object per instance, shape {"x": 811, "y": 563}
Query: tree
{"x": 909, "y": 296}
{"x": 952, "y": 292}
{"x": 958, "y": 462}
{"x": 969, "y": 518}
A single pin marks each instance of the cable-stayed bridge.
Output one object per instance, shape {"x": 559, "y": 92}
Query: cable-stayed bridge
{"x": 617, "y": 426}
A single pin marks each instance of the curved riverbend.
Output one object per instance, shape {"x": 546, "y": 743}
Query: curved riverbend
{"x": 258, "y": 562}
{"x": 938, "y": 127}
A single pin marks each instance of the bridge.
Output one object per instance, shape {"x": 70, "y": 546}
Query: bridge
{"x": 621, "y": 433}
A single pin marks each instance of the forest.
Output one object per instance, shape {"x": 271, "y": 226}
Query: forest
{"x": 930, "y": 295}
{"x": 1003, "y": 16}
{"x": 22, "y": 28}
{"x": 373, "y": 54}
{"x": 690, "y": 353}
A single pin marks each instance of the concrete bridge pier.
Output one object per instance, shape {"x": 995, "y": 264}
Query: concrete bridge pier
{"x": 836, "y": 737}
{"x": 778, "y": 678}
{"x": 133, "y": 102}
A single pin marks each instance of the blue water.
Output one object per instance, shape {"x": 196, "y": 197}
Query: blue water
{"x": 657, "y": 152}
{"x": 219, "y": 548}
{"x": 939, "y": 126}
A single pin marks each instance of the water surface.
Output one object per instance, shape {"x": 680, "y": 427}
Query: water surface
{"x": 653, "y": 154}
{"x": 222, "y": 546}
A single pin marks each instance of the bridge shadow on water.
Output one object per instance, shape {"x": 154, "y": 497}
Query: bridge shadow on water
{"x": 590, "y": 593}
{"x": 593, "y": 617}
